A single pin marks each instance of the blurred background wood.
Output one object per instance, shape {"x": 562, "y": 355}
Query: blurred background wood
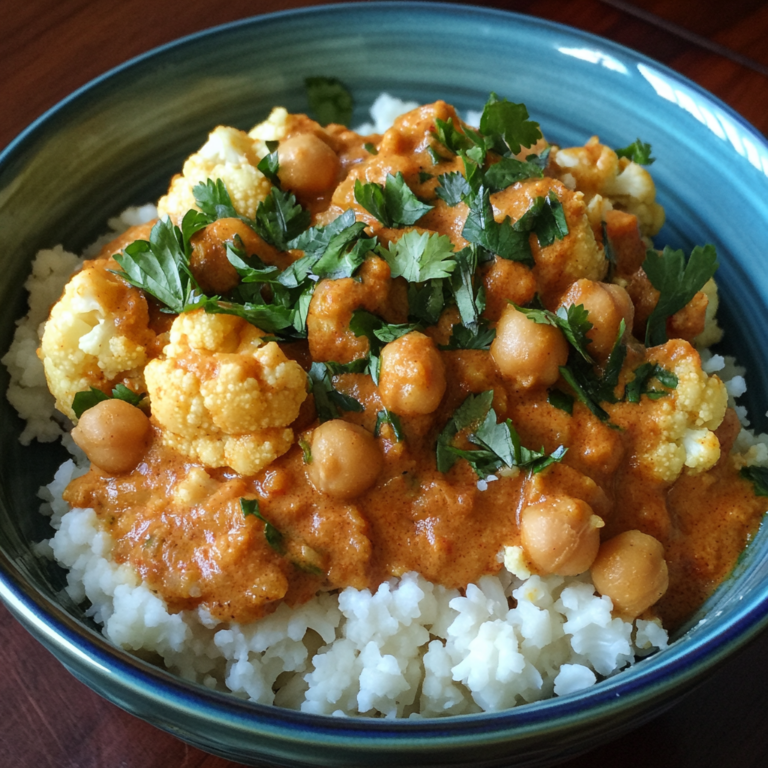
{"x": 48, "y": 50}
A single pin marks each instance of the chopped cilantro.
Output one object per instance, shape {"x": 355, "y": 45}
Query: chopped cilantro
{"x": 393, "y": 203}
{"x": 510, "y": 170}
{"x": 451, "y": 137}
{"x": 508, "y": 126}
{"x": 419, "y": 256}
{"x": 758, "y": 476}
{"x": 465, "y": 338}
{"x": 279, "y": 218}
{"x": 269, "y": 165}
{"x": 677, "y": 282}
{"x": 328, "y": 400}
{"x": 453, "y": 188}
{"x": 426, "y": 301}
{"x": 82, "y": 401}
{"x": 274, "y": 537}
{"x": 572, "y": 320}
{"x": 370, "y": 148}
{"x": 387, "y": 417}
{"x": 213, "y": 200}
{"x": 638, "y": 152}
{"x": 329, "y": 99}
{"x": 469, "y": 414}
{"x": 306, "y": 450}
{"x": 559, "y": 399}
{"x": 471, "y": 303}
{"x": 424, "y": 177}
{"x": 644, "y": 373}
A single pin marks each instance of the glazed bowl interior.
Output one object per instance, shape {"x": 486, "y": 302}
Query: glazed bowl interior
{"x": 118, "y": 141}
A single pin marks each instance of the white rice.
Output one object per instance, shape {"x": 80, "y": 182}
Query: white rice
{"x": 410, "y": 649}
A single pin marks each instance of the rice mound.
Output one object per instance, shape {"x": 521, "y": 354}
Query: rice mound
{"x": 409, "y": 649}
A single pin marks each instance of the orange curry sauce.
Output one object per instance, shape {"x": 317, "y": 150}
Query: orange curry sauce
{"x": 194, "y": 546}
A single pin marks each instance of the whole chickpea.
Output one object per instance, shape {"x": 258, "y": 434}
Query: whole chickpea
{"x": 346, "y": 459}
{"x": 412, "y": 377}
{"x": 114, "y": 435}
{"x": 560, "y": 535}
{"x": 630, "y": 569}
{"x": 308, "y": 166}
{"x": 607, "y": 305}
{"x": 527, "y": 353}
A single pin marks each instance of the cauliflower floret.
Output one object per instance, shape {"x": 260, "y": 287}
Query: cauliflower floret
{"x": 222, "y": 396}
{"x": 595, "y": 169}
{"x": 712, "y": 332}
{"x": 97, "y": 334}
{"x": 230, "y": 155}
{"x": 686, "y": 418}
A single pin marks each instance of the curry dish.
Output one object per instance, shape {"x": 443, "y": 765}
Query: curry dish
{"x": 435, "y": 350}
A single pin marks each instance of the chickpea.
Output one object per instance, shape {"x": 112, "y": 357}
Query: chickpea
{"x": 412, "y": 378}
{"x": 607, "y": 305}
{"x": 114, "y": 435}
{"x": 528, "y": 354}
{"x": 560, "y": 535}
{"x": 631, "y": 570}
{"x": 346, "y": 459}
{"x": 308, "y": 166}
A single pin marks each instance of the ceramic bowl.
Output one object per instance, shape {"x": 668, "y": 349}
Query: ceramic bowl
{"x": 117, "y": 141}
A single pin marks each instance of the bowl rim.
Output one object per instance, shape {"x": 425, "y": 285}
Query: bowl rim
{"x": 677, "y": 668}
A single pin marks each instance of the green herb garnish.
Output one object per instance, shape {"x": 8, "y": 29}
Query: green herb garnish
{"x": 274, "y": 537}
{"x": 329, "y": 99}
{"x": 638, "y": 152}
{"x": 392, "y": 203}
{"x": 82, "y": 401}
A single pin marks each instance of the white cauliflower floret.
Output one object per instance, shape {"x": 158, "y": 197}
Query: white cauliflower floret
{"x": 85, "y": 342}
{"x": 230, "y": 155}
{"x": 222, "y": 396}
{"x": 595, "y": 169}
{"x": 686, "y": 418}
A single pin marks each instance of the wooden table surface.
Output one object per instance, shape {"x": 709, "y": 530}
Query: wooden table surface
{"x": 47, "y": 718}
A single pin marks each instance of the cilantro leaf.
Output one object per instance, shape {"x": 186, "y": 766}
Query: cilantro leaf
{"x": 159, "y": 266}
{"x": 261, "y": 273}
{"x": 559, "y": 399}
{"x": 453, "y": 188}
{"x": 677, "y": 282}
{"x": 470, "y": 303}
{"x": 339, "y": 260}
{"x": 370, "y": 148}
{"x": 269, "y": 165}
{"x": 465, "y": 338}
{"x": 82, "y": 401}
{"x": 213, "y": 200}
{"x": 546, "y": 218}
{"x": 507, "y": 124}
{"x": 426, "y": 301}
{"x": 279, "y": 218}
{"x": 393, "y": 204}
{"x": 508, "y": 171}
{"x": 274, "y": 537}
{"x": 572, "y": 320}
{"x": 451, "y": 137}
{"x": 500, "y": 238}
{"x": 638, "y": 152}
{"x": 329, "y": 99}
{"x": 758, "y": 476}
{"x": 328, "y": 400}
{"x": 419, "y": 256}
{"x": 471, "y": 412}
{"x": 387, "y": 417}
{"x": 644, "y": 373}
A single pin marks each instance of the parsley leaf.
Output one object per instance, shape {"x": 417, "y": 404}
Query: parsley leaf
{"x": 329, "y": 99}
{"x": 470, "y": 303}
{"x": 419, "y": 256}
{"x": 213, "y": 200}
{"x": 274, "y": 537}
{"x": 426, "y": 301}
{"x": 451, "y": 137}
{"x": 758, "y": 476}
{"x": 328, "y": 400}
{"x": 572, "y": 320}
{"x": 82, "y": 401}
{"x": 559, "y": 399}
{"x": 677, "y": 282}
{"x": 638, "y": 152}
{"x": 508, "y": 126}
{"x": 393, "y": 204}
{"x": 339, "y": 260}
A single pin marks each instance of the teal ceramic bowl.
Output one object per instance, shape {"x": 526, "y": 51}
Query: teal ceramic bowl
{"x": 117, "y": 141}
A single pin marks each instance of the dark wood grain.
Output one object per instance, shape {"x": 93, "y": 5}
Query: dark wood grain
{"x": 47, "y": 718}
